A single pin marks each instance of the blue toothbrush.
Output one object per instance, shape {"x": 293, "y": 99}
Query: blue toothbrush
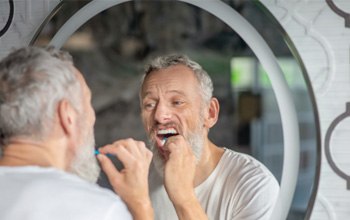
{"x": 98, "y": 152}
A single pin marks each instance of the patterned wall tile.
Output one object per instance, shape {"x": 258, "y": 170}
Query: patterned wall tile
{"x": 26, "y": 20}
{"x": 323, "y": 40}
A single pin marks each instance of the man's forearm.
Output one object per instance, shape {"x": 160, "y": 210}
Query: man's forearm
{"x": 190, "y": 210}
{"x": 142, "y": 212}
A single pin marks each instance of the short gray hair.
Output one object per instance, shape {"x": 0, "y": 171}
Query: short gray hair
{"x": 163, "y": 62}
{"x": 32, "y": 81}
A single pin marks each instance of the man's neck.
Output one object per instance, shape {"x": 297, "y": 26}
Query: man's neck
{"x": 29, "y": 153}
{"x": 210, "y": 158}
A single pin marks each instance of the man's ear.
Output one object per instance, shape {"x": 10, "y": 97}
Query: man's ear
{"x": 67, "y": 117}
{"x": 213, "y": 113}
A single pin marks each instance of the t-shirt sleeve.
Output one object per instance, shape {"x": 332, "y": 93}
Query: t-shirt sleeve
{"x": 257, "y": 197}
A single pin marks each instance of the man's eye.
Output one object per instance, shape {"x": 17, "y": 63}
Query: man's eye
{"x": 178, "y": 102}
{"x": 149, "y": 105}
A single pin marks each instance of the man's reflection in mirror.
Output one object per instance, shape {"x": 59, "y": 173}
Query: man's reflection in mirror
{"x": 191, "y": 177}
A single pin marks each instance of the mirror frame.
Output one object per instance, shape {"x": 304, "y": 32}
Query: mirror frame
{"x": 312, "y": 96}
{"x": 264, "y": 54}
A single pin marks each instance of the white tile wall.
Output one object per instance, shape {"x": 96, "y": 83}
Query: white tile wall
{"x": 28, "y": 16}
{"x": 322, "y": 40}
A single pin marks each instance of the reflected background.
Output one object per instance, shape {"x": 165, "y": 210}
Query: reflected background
{"x": 112, "y": 48}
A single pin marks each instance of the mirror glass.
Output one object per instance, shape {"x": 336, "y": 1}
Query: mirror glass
{"x": 111, "y": 49}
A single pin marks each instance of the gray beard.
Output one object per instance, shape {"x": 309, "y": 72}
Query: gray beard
{"x": 85, "y": 164}
{"x": 194, "y": 139}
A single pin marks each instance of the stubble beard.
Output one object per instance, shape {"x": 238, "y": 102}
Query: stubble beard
{"x": 195, "y": 140}
{"x": 85, "y": 164}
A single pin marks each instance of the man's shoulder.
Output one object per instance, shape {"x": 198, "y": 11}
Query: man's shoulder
{"x": 55, "y": 183}
{"x": 37, "y": 190}
{"x": 243, "y": 162}
{"x": 74, "y": 184}
{"x": 243, "y": 168}
{"x": 249, "y": 188}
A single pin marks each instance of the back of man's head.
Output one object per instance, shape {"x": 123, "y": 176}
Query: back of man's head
{"x": 32, "y": 81}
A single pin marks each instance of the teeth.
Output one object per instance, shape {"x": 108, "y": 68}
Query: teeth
{"x": 167, "y": 131}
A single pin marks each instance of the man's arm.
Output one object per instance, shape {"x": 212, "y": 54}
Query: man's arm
{"x": 179, "y": 175}
{"x": 131, "y": 183}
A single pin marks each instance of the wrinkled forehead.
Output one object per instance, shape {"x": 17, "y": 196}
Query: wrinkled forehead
{"x": 177, "y": 77}
{"x": 177, "y": 74}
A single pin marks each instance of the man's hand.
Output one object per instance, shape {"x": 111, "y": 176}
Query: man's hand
{"x": 179, "y": 174}
{"x": 179, "y": 170}
{"x": 131, "y": 183}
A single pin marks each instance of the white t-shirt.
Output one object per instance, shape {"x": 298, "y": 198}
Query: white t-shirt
{"x": 240, "y": 187}
{"x": 35, "y": 193}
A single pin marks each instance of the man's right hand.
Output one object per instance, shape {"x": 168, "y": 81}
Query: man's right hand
{"x": 179, "y": 174}
{"x": 179, "y": 170}
{"x": 131, "y": 183}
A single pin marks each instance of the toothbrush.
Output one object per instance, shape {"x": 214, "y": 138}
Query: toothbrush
{"x": 98, "y": 152}
{"x": 164, "y": 140}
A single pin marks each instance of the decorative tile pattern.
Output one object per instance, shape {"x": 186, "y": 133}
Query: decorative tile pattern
{"x": 323, "y": 209}
{"x": 322, "y": 39}
{"x": 26, "y": 20}
{"x": 6, "y": 15}
{"x": 329, "y": 151}
{"x": 338, "y": 10}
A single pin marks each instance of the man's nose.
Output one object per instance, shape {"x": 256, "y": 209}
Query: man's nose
{"x": 162, "y": 113}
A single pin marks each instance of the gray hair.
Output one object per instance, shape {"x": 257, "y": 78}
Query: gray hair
{"x": 32, "y": 81}
{"x": 204, "y": 80}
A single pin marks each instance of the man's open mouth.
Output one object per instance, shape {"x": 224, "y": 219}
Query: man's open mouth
{"x": 164, "y": 134}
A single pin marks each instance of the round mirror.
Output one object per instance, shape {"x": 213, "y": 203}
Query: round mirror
{"x": 111, "y": 48}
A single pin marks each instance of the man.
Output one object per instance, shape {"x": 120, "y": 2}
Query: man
{"x": 191, "y": 177}
{"x": 47, "y": 141}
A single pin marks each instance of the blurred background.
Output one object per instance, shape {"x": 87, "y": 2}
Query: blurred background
{"x": 112, "y": 48}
